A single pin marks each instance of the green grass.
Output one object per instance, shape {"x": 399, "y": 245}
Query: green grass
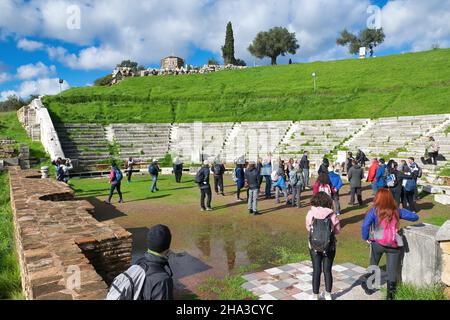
{"x": 10, "y": 127}
{"x": 10, "y": 283}
{"x": 410, "y": 292}
{"x": 229, "y": 288}
{"x": 445, "y": 172}
{"x": 397, "y": 85}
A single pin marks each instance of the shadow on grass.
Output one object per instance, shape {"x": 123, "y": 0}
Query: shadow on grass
{"x": 103, "y": 211}
{"x": 352, "y": 220}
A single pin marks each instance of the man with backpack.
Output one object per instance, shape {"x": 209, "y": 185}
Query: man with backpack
{"x": 305, "y": 165}
{"x": 355, "y": 176}
{"x": 266, "y": 171}
{"x": 218, "y": 170}
{"x": 413, "y": 163}
{"x": 252, "y": 176}
{"x": 322, "y": 225}
{"x": 153, "y": 169}
{"x": 202, "y": 179}
{"x": 381, "y": 174}
{"x": 361, "y": 158}
{"x": 410, "y": 186}
{"x": 151, "y": 277}
{"x": 297, "y": 183}
{"x": 349, "y": 162}
{"x": 178, "y": 169}
{"x": 129, "y": 166}
{"x": 115, "y": 179}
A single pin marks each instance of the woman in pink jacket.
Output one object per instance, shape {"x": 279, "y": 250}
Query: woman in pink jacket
{"x": 323, "y": 225}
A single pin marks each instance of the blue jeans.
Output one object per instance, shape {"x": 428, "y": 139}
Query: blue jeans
{"x": 306, "y": 175}
{"x": 268, "y": 186}
{"x": 154, "y": 180}
{"x": 374, "y": 187}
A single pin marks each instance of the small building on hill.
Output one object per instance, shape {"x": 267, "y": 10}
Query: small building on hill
{"x": 172, "y": 63}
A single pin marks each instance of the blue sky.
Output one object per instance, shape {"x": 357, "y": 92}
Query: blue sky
{"x": 82, "y": 40}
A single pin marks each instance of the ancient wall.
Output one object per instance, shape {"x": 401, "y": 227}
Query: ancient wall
{"x": 443, "y": 237}
{"x": 64, "y": 252}
{"x": 38, "y": 123}
{"x": 422, "y": 255}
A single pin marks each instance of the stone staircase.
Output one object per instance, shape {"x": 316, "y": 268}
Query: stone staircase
{"x": 392, "y": 135}
{"x": 85, "y": 144}
{"x": 255, "y": 139}
{"x": 318, "y": 137}
{"x": 143, "y": 142}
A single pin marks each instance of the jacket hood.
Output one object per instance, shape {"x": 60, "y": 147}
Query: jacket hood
{"x": 320, "y": 213}
{"x": 357, "y": 166}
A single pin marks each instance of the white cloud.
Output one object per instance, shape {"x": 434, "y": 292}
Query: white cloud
{"x": 32, "y": 71}
{"x": 30, "y": 45}
{"x": 419, "y": 24}
{"x": 4, "y": 95}
{"x": 112, "y": 30}
{"x": 41, "y": 87}
{"x": 44, "y": 86}
{"x": 4, "y": 77}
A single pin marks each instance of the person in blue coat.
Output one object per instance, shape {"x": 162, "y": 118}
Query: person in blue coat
{"x": 380, "y": 229}
{"x": 240, "y": 183}
{"x": 336, "y": 183}
{"x": 380, "y": 177}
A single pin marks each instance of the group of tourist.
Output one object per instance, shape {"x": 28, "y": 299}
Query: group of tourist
{"x": 62, "y": 169}
{"x": 393, "y": 185}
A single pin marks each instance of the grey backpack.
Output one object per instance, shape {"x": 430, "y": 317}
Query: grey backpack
{"x": 128, "y": 285}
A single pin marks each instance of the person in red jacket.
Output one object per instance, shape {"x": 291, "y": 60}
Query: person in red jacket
{"x": 372, "y": 177}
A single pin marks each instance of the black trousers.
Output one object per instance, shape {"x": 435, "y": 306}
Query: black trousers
{"x": 392, "y": 259}
{"x": 322, "y": 263}
{"x": 397, "y": 194}
{"x": 205, "y": 192}
{"x": 111, "y": 191}
{"x": 410, "y": 197}
{"x": 129, "y": 174}
{"x": 178, "y": 175}
{"x": 358, "y": 192}
{"x": 218, "y": 184}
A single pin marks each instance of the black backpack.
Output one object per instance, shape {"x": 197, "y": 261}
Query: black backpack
{"x": 217, "y": 169}
{"x": 199, "y": 177}
{"x": 320, "y": 234}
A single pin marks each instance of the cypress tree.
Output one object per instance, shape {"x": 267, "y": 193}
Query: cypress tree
{"x": 228, "y": 48}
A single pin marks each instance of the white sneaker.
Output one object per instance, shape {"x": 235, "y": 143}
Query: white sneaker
{"x": 327, "y": 296}
{"x": 314, "y": 297}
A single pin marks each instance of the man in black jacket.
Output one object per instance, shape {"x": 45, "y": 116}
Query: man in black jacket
{"x": 205, "y": 187}
{"x": 218, "y": 170}
{"x": 158, "y": 283}
{"x": 304, "y": 164}
{"x": 251, "y": 177}
{"x": 178, "y": 169}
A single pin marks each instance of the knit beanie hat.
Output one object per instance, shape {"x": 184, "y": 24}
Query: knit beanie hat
{"x": 159, "y": 238}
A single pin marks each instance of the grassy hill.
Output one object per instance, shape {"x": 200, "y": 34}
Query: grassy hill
{"x": 398, "y": 85}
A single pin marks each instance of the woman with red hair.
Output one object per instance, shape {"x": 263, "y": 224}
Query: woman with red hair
{"x": 380, "y": 229}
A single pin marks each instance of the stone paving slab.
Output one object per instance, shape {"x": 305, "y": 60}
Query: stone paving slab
{"x": 294, "y": 282}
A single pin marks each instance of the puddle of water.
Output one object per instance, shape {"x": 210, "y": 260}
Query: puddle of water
{"x": 217, "y": 249}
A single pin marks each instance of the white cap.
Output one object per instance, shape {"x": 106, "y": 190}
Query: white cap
{"x": 205, "y": 163}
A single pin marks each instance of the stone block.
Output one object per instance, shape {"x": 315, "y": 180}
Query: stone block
{"x": 446, "y": 269}
{"x": 421, "y": 264}
{"x": 445, "y": 247}
{"x": 444, "y": 232}
{"x": 442, "y": 199}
